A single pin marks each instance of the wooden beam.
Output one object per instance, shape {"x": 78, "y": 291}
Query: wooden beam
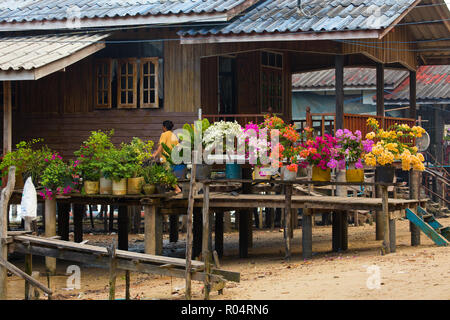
{"x": 412, "y": 94}
{"x": 4, "y": 203}
{"x": 380, "y": 90}
{"x": 206, "y": 250}
{"x": 189, "y": 230}
{"x": 339, "y": 70}
{"x": 7, "y": 117}
{"x": 50, "y": 231}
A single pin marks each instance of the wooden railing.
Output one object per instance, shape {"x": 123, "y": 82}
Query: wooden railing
{"x": 325, "y": 122}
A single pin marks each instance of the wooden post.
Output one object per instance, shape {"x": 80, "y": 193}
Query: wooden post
{"x": 339, "y": 71}
{"x": 63, "y": 220}
{"x": 412, "y": 94}
{"x": 414, "y": 181}
{"x": 245, "y": 219}
{"x": 340, "y": 219}
{"x": 111, "y": 218}
{"x": 105, "y": 218}
{"x": 189, "y": 227}
{"x": 380, "y": 89}
{"x": 288, "y": 220}
{"x": 4, "y": 203}
{"x": 392, "y": 235}
{"x": 123, "y": 222}
{"x": 91, "y": 218}
{"x": 50, "y": 231}
{"x": 78, "y": 213}
{"x": 7, "y": 117}
{"x": 136, "y": 212}
{"x": 218, "y": 233}
{"x": 173, "y": 223}
{"x": 153, "y": 229}
{"x": 307, "y": 234}
{"x": 112, "y": 271}
{"x": 379, "y": 217}
{"x": 385, "y": 223}
{"x": 206, "y": 250}
{"x": 28, "y": 262}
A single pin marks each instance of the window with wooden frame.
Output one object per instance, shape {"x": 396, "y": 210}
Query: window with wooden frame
{"x": 127, "y": 83}
{"x": 149, "y": 83}
{"x": 103, "y": 72}
{"x": 271, "y": 82}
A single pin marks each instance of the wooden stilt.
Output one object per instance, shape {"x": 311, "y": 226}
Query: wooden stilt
{"x": 344, "y": 230}
{"x": 91, "y": 218}
{"x": 218, "y": 233}
{"x": 50, "y": 231}
{"x": 414, "y": 181}
{"x": 4, "y": 201}
{"x": 189, "y": 230}
{"x": 243, "y": 233}
{"x": 153, "y": 237}
{"x": 392, "y": 235}
{"x": 112, "y": 272}
{"x": 136, "y": 211}
{"x": 105, "y": 218}
{"x": 288, "y": 220}
{"x": 379, "y": 217}
{"x": 385, "y": 219}
{"x": 206, "y": 250}
{"x": 78, "y": 213}
{"x": 28, "y": 262}
{"x": 197, "y": 233}
{"x": 123, "y": 222}
{"x": 111, "y": 218}
{"x": 306, "y": 234}
{"x": 173, "y": 222}
{"x": 63, "y": 220}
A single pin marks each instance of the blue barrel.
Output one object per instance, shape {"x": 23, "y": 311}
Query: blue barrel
{"x": 179, "y": 171}
{"x": 233, "y": 171}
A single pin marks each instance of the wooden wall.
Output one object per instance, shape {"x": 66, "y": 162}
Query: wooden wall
{"x": 248, "y": 82}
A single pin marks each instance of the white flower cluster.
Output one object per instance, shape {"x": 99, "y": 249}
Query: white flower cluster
{"x": 222, "y": 131}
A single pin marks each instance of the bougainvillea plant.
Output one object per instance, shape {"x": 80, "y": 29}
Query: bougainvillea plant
{"x": 56, "y": 177}
{"x": 350, "y": 148}
{"x": 320, "y": 151}
{"x": 394, "y": 144}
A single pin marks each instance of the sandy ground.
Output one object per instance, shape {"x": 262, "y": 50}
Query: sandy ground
{"x": 411, "y": 273}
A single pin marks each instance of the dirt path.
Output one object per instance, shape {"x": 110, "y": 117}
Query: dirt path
{"x": 411, "y": 273}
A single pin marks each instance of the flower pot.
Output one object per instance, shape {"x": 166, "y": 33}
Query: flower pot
{"x": 384, "y": 174}
{"x": 319, "y": 174}
{"x": 288, "y": 175}
{"x": 91, "y": 187}
{"x": 135, "y": 185}
{"x": 119, "y": 188}
{"x": 105, "y": 186}
{"x": 262, "y": 172}
{"x": 203, "y": 171}
{"x": 233, "y": 171}
{"x": 180, "y": 171}
{"x": 149, "y": 189}
{"x": 354, "y": 175}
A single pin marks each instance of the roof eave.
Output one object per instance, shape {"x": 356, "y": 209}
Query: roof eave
{"x": 113, "y": 22}
{"x": 278, "y": 36}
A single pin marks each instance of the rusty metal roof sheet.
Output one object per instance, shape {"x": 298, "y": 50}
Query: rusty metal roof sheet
{"x": 354, "y": 78}
{"x": 433, "y": 86}
{"x": 317, "y": 16}
{"x": 48, "y": 10}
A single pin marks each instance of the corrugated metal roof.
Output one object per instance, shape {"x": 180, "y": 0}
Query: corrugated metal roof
{"x": 33, "y": 52}
{"x": 46, "y": 10}
{"x": 354, "y": 78}
{"x": 433, "y": 86}
{"x": 317, "y": 16}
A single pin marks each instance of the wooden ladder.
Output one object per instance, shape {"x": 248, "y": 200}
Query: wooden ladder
{"x": 430, "y": 226}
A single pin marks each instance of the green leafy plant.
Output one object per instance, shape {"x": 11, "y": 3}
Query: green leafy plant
{"x": 137, "y": 153}
{"x": 56, "y": 177}
{"x": 91, "y": 155}
{"x": 159, "y": 174}
{"x": 116, "y": 165}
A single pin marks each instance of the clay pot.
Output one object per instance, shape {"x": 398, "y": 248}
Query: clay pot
{"x": 91, "y": 187}
{"x": 119, "y": 188}
{"x": 135, "y": 185}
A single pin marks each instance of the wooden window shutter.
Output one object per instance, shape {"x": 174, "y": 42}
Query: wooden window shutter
{"x": 103, "y": 71}
{"x": 127, "y": 83}
{"x": 149, "y": 84}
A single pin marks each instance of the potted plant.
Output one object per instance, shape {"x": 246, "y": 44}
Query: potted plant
{"x": 28, "y": 161}
{"x": 320, "y": 153}
{"x": 91, "y": 159}
{"x": 150, "y": 179}
{"x": 137, "y": 152}
{"x": 56, "y": 178}
{"x": 222, "y": 137}
{"x": 118, "y": 167}
{"x": 393, "y": 145}
{"x": 160, "y": 176}
{"x": 190, "y": 131}
{"x": 351, "y": 148}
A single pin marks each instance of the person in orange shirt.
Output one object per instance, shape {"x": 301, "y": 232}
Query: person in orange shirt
{"x": 171, "y": 140}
